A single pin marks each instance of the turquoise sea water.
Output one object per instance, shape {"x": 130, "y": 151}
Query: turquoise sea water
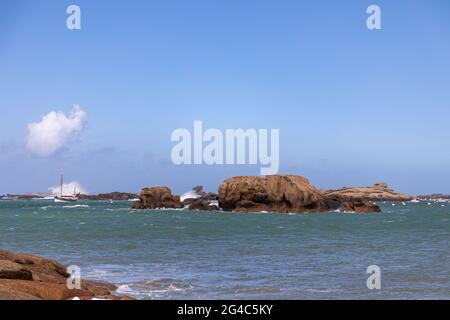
{"x": 167, "y": 254}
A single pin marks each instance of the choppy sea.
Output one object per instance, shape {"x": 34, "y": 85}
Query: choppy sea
{"x": 165, "y": 254}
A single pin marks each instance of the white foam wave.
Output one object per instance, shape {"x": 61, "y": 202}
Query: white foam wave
{"x": 76, "y": 206}
{"x": 124, "y": 288}
{"x": 214, "y": 203}
{"x": 189, "y": 195}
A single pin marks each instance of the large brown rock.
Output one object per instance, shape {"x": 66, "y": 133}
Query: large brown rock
{"x": 377, "y": 192}
{"x": 41, "y": 268}
{"x": 157, "y": 197}
{"x": 276, "y": 193}
{"x": 284, "y": 193}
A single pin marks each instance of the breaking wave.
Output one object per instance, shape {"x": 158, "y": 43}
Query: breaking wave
{"x": 76, "y": 206}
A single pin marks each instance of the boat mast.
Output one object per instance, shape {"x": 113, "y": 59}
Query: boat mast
{"x": 61, "y": 185}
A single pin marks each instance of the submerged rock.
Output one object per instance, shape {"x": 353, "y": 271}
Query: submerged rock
{"x": 157, "y": 197}
{"x": 344, "y": 204}
{"x": 29, "y": 277}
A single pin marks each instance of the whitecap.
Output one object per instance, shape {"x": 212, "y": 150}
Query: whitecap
{"x": 321, "y": 290}
{"x": 76, "y": 206}
{"x": 124, "y": 288}
{"x": 163, "y": 285}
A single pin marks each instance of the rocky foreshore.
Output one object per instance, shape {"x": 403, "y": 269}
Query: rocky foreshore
{"x": 29, "y": 277}
{"x": 276, "y": 193}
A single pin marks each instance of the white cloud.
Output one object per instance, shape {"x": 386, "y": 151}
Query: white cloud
{"x": 68, "y": 189}
{"x": 54, "y": 131}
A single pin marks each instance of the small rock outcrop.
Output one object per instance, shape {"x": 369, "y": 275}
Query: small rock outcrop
{"x": 199, "y": 204}
{"x": 29, "y": 277}
{"x": 156, "y": 198}
{"x": 377, "y": 192}
{"x": 197, "y": 199}
{"x": 344, "y": 204}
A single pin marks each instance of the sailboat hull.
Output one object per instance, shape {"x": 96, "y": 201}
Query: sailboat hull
{"x": 65, "y": 199}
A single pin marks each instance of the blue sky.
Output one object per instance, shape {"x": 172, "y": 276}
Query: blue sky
{"x": 353, "y": 106}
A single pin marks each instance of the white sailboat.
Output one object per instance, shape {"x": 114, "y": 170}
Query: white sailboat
{"x": 65, "y": 198}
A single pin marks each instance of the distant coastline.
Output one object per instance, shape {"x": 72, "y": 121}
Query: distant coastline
{"x": 94, "y": 196}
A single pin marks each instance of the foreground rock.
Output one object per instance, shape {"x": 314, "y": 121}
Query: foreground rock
{"x": 283, "y": 193}
{"x": 377, "y": 192}
{"x": 157, "y": 198}
{"x": 29, "y": 277}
